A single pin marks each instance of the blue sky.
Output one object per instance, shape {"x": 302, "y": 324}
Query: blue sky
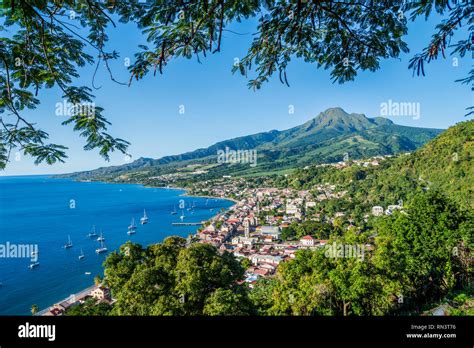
{"x": 218, "y": 105}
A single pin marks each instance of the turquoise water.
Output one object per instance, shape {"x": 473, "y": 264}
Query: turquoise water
{"x": 44, "y": 211}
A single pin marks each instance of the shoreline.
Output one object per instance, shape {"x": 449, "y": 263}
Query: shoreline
{"x": 43, "y": 311}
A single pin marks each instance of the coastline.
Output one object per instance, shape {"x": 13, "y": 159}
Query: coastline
{"x": 185, "y": 192}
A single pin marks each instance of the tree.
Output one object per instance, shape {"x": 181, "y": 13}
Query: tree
{"x": 90, "y": 307}
{"x": 419, "y": 249}
{"x": 246, "y": 263}
{"x": 46, "y": 50}
{"x": 227, "y": 302}
{"x": 119, "y": 266}
{"x": 200, "y": 271}
{"x": 261, "y": 295}
{"x": 34, "y": 309}
{"x": 172, "y": 279}
{"x": 97, "y": 280}
{"x": 418, "y": 257}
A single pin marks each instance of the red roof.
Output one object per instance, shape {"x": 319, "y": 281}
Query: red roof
{"x": 261, "y": 271}
{"x": 307, "y": 238}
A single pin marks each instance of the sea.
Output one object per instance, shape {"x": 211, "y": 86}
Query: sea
{"x": 45, "y": 212}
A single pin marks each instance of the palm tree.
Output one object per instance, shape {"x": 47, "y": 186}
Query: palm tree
{"x": 97, "y": 280}
{"x": 34, "y": 309}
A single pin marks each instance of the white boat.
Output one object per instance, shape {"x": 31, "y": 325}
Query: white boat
{"x": 92, "y": 233}
{"x": 102, "y": 248}
{"x": 69, "y": 243}
{"x": 87, "y": 273}
{"x": 33, "y": 265}
{"x": 101, "y": 238}
{"x": 132, "y": 229}
{"x": 182, "y": 215}
{"x": 144, "y": 219}
{"x": 174, "y": 212}
{"x": 82, "y": 255}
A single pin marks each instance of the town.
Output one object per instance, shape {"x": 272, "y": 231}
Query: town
{"x": 253, "y": 229}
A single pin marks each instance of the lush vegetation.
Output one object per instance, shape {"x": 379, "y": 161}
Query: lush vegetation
{"x": 444, "y": 164}
{"x": 404, "y": 263}
{"x": 329, "y": 137}
{"x": 90, "y": 307}
{"x": 417, "y": 259}
{"x": 170, "y": 279}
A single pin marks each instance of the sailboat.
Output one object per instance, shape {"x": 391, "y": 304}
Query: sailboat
{"x": 182, "y": 215}
{"x": 92, "y": 233}
{"x": 101, "y": 238}
{"x": 33, "y": 265}
{"x": 69, "y": 243}
{"x": 174, "y": 212}
{"x": 82, "y": 255}
{"x": 144, "y": 219}
{"x": 132, "y": 229}
{"x": 102, "y": 248}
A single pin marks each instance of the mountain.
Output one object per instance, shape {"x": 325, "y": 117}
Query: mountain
{"x": 443, "y": 164}
{"x": 328, "y": 137}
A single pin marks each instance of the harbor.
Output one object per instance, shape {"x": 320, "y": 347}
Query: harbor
{"x": 187, "y": 223}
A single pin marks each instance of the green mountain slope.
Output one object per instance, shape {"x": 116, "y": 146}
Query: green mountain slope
{"x": 444, "y": 164}
{"x": 327, "y": 138}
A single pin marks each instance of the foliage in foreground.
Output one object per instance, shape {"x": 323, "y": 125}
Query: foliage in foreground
{"x": 50, "y": 41}
{"x": 170, "y": 279}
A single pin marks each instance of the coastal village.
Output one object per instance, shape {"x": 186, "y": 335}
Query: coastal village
{"x": 252, "y": 228}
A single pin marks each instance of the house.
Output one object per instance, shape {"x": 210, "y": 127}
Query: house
{"x": 271, "y": 259}
{"x": 267, "y": 239}
{"x": 307, "y": 241}
{"x": 261, "y": 271}
{"x": 273, "y": 231}
{"x": 291, "y": 209}
{"x": 54, "y": 311}
{"x": 377, "y": 210}
{"x": 100, "y": 293}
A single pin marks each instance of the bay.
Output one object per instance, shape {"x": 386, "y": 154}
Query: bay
{"x": 44, "y": 211}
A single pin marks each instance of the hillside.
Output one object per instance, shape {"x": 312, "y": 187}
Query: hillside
{"x": 325, "y": 138}
{"x": 444, "y": 164}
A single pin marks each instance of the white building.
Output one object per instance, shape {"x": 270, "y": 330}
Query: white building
{"x": 307, "y": 241}
{"x": 291, "y": 209}
{"x": 377, "y": 210}
{"x": 271, "y": 259}
{"x": 273, "y": 231}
